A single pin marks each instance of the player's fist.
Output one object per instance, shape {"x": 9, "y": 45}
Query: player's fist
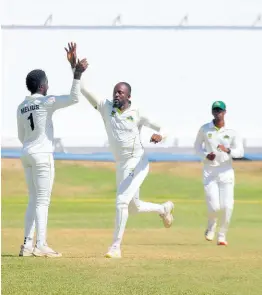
{"x": 81, "y": 66}
{"x": 155, "y": 138}
{"x": 71, "y": 54}
{"x": 211, "y": 156}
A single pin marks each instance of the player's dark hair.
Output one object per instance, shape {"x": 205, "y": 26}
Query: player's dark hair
{"x": 34, "y": 79}
{"x": 128, "y": 86}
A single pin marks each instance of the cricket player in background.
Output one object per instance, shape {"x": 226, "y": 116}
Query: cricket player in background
{"x": 216, "y": 144}
{"x": 123, "y": 123}
{"x": 35, "y": 131}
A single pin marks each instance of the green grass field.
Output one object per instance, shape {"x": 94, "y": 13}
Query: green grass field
{"x": 175, "y": 261}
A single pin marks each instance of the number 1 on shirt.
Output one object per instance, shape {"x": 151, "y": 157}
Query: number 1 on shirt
{"x": 31, "y": 121}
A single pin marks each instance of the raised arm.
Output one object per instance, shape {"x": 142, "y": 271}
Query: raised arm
{"x": 63, "y": 101}
{"x": 95, "y": 102}
{"x": 71, "y": 57}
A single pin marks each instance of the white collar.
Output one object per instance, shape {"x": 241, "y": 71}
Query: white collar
{"x": 131, "y": 107}
{"x": 33, "y": 96}
{"x": 212, "y": 126}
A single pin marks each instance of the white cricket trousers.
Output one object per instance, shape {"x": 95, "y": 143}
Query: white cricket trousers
{"x": 39, "y": 173}
{"x": 130, "y": 175}
{"x": 219, "y": 191}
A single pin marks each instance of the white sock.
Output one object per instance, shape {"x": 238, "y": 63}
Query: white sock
{"x": 120, "y": 225}
{"x": 41, "y": 224}
{"x": 28, "y": 242}
{"x": 29, "y": 233}
{"x": 29, "y": 224}
{"x": 150, "y": 207}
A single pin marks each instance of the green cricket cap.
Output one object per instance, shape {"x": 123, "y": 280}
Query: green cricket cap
{"x": 219, "y": 104}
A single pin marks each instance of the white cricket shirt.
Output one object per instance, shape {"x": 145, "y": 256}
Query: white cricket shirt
{"x": 34, "y": 119}
{"x": 209, "y": 137}
{"x": 123, "y": 128}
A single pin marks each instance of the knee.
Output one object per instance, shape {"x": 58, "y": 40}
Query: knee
{"x": 43, "y": 201}
{"x": 121, "y": 204}
{"x": 43, "y": 196}
{"x": 42, "y": 204}
{"x": 229, "y": 205}
{"x": 122, "y": 200}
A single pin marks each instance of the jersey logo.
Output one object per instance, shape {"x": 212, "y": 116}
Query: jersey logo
{"x": 113, "y": 113}
{"x": 50, "y": 100}
{"x": 209, "y": 135}
{"x": 226, "y": 137}
{"x": 130, "y": 118}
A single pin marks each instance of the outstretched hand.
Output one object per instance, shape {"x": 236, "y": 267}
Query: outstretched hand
{"x": 81, "y": 66}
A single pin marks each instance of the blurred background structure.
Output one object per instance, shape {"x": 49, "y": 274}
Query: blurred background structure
{"x": 179, "y": 57}
{"x": 133, "y": 12}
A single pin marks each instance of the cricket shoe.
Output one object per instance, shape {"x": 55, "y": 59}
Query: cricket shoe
{"x": 167, "y": 217}
{"x": 113, "y": 252}
{"x": 45, "y": 251}
{"x": 221, "y": 240}
{"x": 209, "y": 235}
{"x": 26, "y": 251}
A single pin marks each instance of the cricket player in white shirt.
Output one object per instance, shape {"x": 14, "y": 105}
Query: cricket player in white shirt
{"x": 216, "y": 144}
{"x": 123, "y": 123}
{"x": 35, "y": 131}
